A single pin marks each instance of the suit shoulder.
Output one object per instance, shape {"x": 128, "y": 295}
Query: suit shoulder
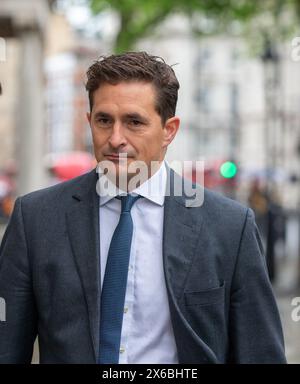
{"x": 225, "y": 211}
{"x": 218, "y": 201}
{"x": 58, "y": 191}
{"x": 213, "y": 205}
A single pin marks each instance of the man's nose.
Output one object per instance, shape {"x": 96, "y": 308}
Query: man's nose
{"x": 117, "y": 137}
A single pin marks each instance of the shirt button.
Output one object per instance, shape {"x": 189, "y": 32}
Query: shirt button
{"x": 122, "y": 350}
{"x": 125, "y": 309}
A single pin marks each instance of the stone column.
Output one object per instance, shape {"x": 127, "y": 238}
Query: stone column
{"x": 30, "y": 130}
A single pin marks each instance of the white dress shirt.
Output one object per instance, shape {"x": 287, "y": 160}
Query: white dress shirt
{"x": 147, "y": 334}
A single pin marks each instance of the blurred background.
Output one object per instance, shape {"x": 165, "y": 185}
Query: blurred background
{"x": 238, "y": 63}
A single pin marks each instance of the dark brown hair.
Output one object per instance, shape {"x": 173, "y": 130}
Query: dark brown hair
{"x": 137, "y": 66}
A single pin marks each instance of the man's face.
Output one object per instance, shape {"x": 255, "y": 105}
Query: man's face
{"x": 124, "y": 121}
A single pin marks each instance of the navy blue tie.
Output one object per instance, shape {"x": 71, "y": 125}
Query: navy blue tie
{"x": 114, "y": 285}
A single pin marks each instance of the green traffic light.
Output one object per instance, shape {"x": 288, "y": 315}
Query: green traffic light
{"x": 228, "y": 169}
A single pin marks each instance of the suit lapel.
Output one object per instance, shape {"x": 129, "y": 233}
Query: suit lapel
{"x": 83, "y": 229}
{"x": 179, "y": 244}
{"x": 182, "y": 240}
{"x": 180, "y": 235}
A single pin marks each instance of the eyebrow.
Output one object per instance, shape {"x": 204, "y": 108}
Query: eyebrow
{"x": 102, "y": 114}
{"x": 133, "y": 115}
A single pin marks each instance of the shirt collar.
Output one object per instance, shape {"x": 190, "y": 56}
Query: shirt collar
{"x": 152, "y": 189}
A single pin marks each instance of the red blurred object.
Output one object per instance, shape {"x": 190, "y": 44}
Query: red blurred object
{"x": 6, "y": 186}
{"x": 69, "y": 165}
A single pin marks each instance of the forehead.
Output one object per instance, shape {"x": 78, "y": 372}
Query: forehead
{"x": 131, "y": 94}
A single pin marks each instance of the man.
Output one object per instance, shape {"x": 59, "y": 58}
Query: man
{"x": 111, "y": 273}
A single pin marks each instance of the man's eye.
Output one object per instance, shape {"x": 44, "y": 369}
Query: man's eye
{"x": 135, "y": 122}
{"x": 103, "y": 120}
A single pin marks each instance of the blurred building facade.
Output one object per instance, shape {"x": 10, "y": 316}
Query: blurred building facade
{"x": 223, "y": 106}
{"x": 8, "y": 103}
{"x": 222, "y": 99}
{"x": 67, "y": 59}
{"x": 44, "y": 102}
{"x": 26, "y": 22}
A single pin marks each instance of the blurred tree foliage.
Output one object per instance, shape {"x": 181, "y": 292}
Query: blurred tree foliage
{"x": 276, "y": 21}
{"x": 257, "y": 20}
{"x": 138, "y": 18}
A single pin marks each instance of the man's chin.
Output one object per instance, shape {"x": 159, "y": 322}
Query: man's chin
{"x": 114, "y": 164}
{"x": 115, "y": 169}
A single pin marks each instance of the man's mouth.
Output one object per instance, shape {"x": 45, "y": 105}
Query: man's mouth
{"x": 117, "y": 156}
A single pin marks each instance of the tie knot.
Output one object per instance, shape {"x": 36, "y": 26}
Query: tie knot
{"x": 127, "y": 202}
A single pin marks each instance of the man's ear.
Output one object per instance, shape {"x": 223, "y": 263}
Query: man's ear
{"x": 89, "y": 116}
{"x": 170, "y": 130}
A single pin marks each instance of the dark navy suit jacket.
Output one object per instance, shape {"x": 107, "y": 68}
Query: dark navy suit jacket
{"x": 221, "y": 301}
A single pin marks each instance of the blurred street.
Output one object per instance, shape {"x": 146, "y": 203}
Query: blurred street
{"x": 286, "y": 287}
{"x": 291, "y": 329}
